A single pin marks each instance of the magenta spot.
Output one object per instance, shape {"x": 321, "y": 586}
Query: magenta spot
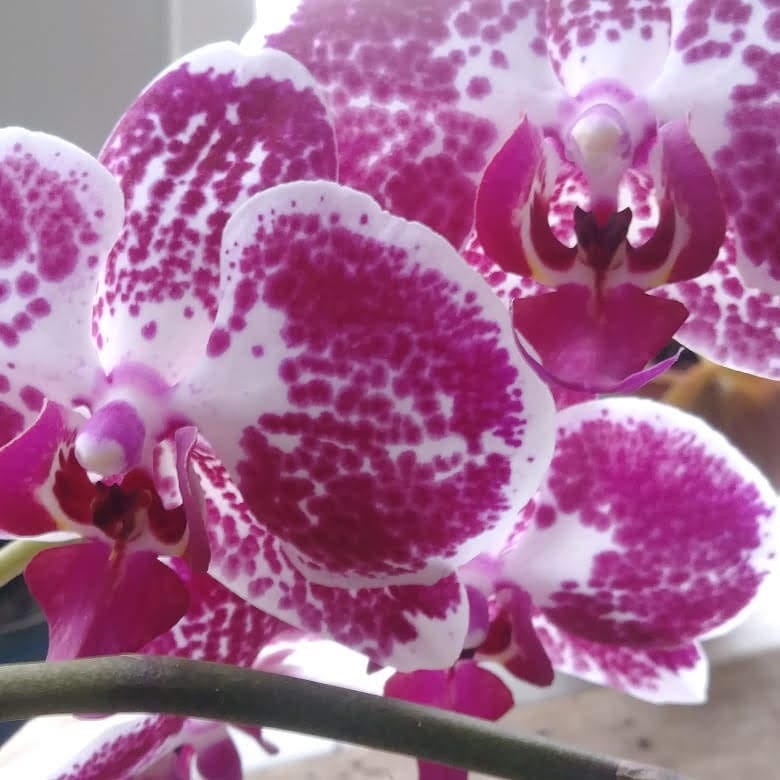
{"x": 478, "y": 88}
{"x": 11, "y": 423}
{"x": 498, "y": 59}
{"x": 8, "y": 335}
{"x": 22, "y": 322}
{"x": 39, "y": 307}
{"x": 218, "y": 342}
{"x": 545, "y": 516}
{"x": 32, "y": 398}
{"x": 26, "y": 284}
{"x": 772, "y": 26}
{"x": 258, "y": 350}
{"x": 149, "y": 330}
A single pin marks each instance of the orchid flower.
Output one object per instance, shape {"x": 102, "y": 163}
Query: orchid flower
{"x": 612, "y": 148}
{"x": 238, "y": 365}
{"x": 218, "y": 626}
{"x": 649, "y": 533}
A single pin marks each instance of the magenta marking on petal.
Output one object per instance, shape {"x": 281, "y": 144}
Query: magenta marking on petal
{"x": 125, "y": 751}
{"x": 737, "y": 127}
{"x": 664, "y": 530}
{"x": 218, "y": 342}
{"x": 337, "y": 345}
{"x": 422, "y": 99}
{"x": 390, "y": 427}
{"x": 212, "y": 130}
{"x": 590, "y": 39}
{"x": 400, "y": 626}
{"x": 597, "y": 345}
{"x": 50, "y": 192}
{"x": 730, "y": 322}
{"x": 32, "y": 398}
{"x": 218, "y": 625}
{"x": 674, "y": 675}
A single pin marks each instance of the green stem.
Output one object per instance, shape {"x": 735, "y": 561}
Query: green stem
{"x": 134, "y": 683}
{"x": 15, "y": 556}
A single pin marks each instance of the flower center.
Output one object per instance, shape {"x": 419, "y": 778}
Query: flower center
{"x": 600, "y": 146}
{"x": 114, "y": 509}
{"x": 111, "y": 441}
{"x": 600, "y": 239}
{"x": 130, "y": 510}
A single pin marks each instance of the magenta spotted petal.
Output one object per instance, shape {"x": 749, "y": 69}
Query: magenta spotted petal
{"x": 721, "y": 74}
{"x": 216, "y": 127}
{"x": 650, "y": 530}
{"x": 372, "y": 407}
{"x": 675, "y": 675}
{"x": 218, "y": 626}
{"x": 422, "y": 92}
{"x": 407, "y": 626}
{"x": 597, "y": 39}
{"x": 730, "y": 322}
{"x": 60, "y": 212}
{"x": 125, "y": 749}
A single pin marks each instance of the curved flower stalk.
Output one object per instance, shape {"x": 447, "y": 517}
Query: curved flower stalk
{"x": 218, "y": 626}
{"x": 650, "y": 533}
{"x": 611, "y": 148}
{"x": 259, "y": 346}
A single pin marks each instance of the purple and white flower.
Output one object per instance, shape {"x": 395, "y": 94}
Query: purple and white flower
{"x": 250, "y": 366}
{"x": 623, "y": 154}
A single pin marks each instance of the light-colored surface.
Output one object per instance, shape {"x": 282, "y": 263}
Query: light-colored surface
{"x": 735, "y": 735}
{"x": 196, "y": 22}
{"x": 71, "y": 67}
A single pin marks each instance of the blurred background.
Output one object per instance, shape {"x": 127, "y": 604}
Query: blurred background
{"x": 72, "y": 68}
